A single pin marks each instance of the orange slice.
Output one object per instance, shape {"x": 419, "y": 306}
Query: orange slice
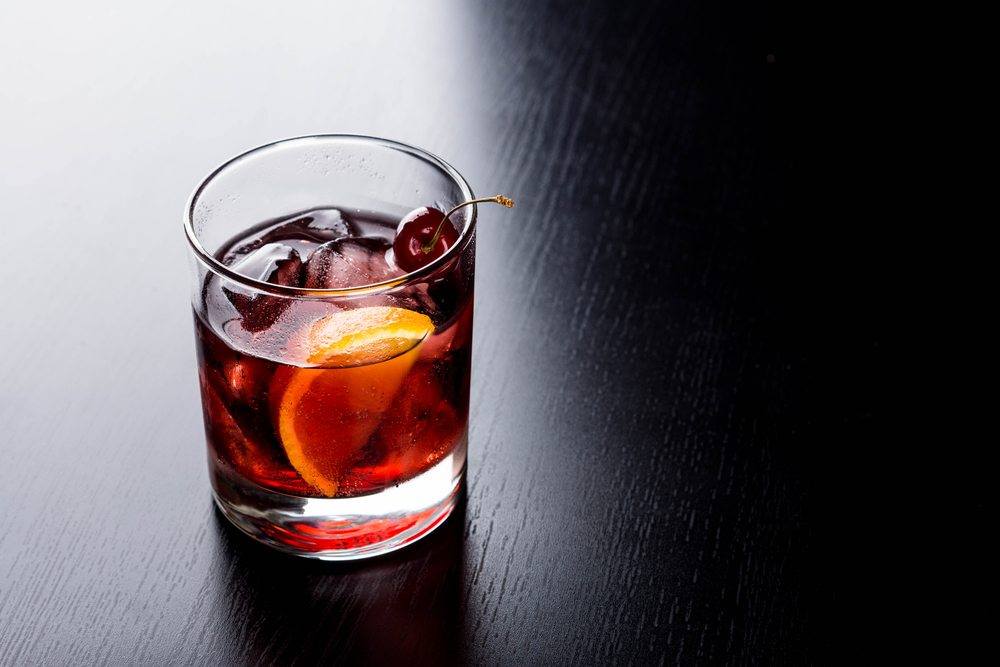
{"x": 327, "y": 413}
{"x": 364, "y": 336}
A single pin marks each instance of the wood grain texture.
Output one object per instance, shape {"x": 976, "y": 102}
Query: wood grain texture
{"x": 641, "y": 488}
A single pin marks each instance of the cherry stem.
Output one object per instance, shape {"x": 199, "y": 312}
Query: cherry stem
{"x": 495, "y": 199}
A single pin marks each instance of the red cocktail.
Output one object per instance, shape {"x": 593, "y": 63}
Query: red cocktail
{"x": 334, "y": 342}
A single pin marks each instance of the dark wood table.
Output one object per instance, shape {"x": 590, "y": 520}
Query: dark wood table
{"x": 647, "y": 483}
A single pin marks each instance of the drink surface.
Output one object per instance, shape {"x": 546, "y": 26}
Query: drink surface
{"x": 332, "y": 397}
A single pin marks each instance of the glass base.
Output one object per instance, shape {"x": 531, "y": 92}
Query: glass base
{"x": 342, "y": 528}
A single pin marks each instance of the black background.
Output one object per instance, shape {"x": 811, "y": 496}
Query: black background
{"x": 671, "y": 391}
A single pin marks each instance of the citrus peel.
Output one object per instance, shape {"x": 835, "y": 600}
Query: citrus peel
{"x": 326, "y": 413}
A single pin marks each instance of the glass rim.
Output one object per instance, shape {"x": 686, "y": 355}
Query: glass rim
{"x": 217, "y": 267}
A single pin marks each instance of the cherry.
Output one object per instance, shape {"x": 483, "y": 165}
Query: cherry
{"x": 415, "y": 232}
{"x": 426, "y": 233}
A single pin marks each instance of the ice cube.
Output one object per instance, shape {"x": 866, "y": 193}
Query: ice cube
{"x": 275, "y": 263}
{"x": 319, "y": 225}
{"x": 327, "y": 224}
{"x": 302, "y": 230}
{"x": 349, "y": 262}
